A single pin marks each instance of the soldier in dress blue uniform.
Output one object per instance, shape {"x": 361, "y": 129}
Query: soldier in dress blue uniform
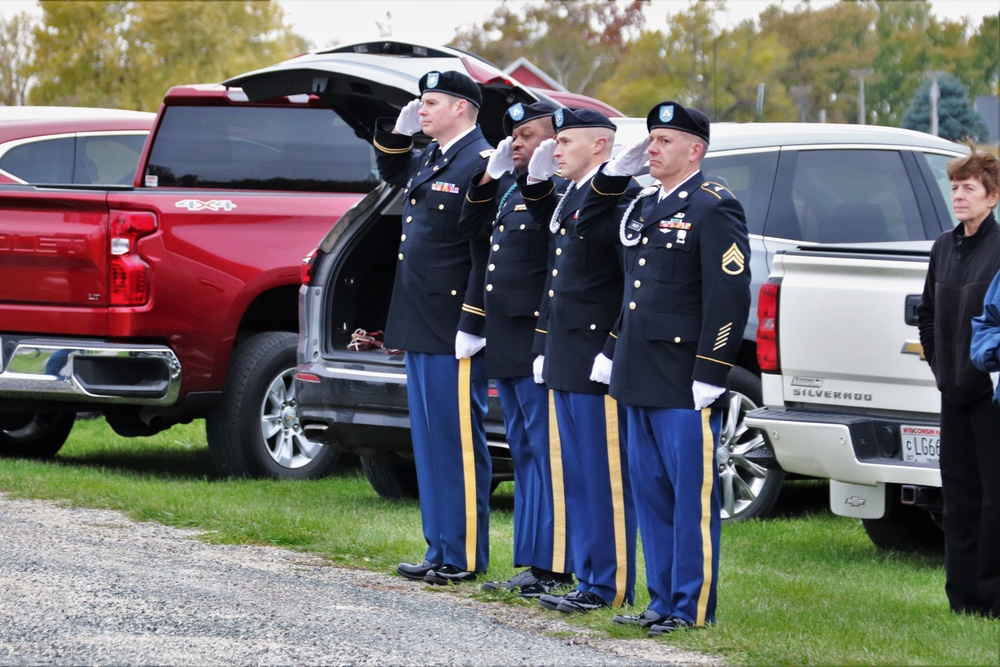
{"x": 582, "y": 300}
{"x": 687, "y": 298}
{"x": 436, "y": 315}
{"x": 515, "y": 277}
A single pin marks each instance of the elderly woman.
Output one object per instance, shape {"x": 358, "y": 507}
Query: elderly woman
{"x": 963, "y": 263}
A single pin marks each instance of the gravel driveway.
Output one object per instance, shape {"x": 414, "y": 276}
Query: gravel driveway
{"x": 81, "y": 586}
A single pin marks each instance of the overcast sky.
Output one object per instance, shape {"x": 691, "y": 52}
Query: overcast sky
{"x": 434, "y": 21}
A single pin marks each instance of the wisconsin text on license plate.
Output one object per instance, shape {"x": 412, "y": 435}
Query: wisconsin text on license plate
{"x": 921, "y": 444}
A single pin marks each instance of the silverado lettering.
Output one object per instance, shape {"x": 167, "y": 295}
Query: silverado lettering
{"x": 836, "y": 395}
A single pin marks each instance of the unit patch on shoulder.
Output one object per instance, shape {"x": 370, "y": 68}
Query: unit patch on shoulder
{"x": 733, "y": 261}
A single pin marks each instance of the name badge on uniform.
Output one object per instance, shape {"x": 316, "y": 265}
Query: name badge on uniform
{"x": 441, "y": 186}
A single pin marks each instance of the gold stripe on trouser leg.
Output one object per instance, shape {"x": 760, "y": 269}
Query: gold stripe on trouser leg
{"x": 558, "y": 491}
{"x": 617, "y": 497}
{"x": 468, "y": 462}
{"x": 708, "y": 474}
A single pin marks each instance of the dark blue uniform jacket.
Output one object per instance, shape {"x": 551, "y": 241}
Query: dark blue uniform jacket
{"x": 583, "y": 291}
{"x": 438, "y": 287}
{"x": 687, "y": 286}
{"x": 515, "y": 271}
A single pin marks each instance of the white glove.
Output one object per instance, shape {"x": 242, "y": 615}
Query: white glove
{"x": 536, "y": 368}
{"x": 630, "y": 161}
{"x": 467, "y": 345}
{"x": 408, "y": 122}
{"x": 502, "y": 159}
{"x": 996, "y": 378}
{"x": 601, "y": 371}
{"x": 543, "y": 163}
{"x": 705, "y": 394}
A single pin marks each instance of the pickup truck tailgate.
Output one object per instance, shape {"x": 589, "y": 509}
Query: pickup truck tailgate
{"x": 53, "y": 260}
{"x": 872, "y": 362}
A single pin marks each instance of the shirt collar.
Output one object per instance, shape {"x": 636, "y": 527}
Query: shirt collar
{"x": 444, "y": 149}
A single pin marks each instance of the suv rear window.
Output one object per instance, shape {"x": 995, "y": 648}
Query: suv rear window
{"x": 300, "y": 149}
{"x": 845, "y": 196}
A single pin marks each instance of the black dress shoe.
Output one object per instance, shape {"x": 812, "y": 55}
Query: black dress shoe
{"x": 545, "y": 583}
{"x": 550, "y": 601}
{"x": 519, "y": 580}
{"x": 582, "y": 602}
{"x": 669, "y": 624}
{"x": 449, "y": 574}
{"x": 645, "y": 619}
{"x": 414, "y": 571}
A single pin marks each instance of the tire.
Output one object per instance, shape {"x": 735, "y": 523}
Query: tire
{"x": 254, "y": 431}
{"x": 904, "y": 527}
{"x": 34, "y": 436}
{"x": 749, "y": 490}
{"x": 395, "y": 481}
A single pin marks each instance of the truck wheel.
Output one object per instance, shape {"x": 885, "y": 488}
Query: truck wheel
{"x": 749, "y": 489}
{"x": 391, "y": 480}
{"x": 28, "y": 435}
{"x": 904, "y": 528}
{"x": 254, "y": 431}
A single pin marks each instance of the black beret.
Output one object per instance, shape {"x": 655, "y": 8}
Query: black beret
{"x": 519, "y": 114}
{"x": 673, "y": 116}
{"x": 452, "y": 83}
{"x": 564, "y": 119}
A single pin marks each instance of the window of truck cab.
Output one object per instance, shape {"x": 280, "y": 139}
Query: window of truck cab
{"x": 844, "y": 195}
{"x": 287, "y": 148}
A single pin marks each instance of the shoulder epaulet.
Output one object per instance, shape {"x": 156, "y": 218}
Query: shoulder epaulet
{"x": 717, "y": 189}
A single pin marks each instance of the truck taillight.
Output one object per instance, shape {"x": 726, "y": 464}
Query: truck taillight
{"x": 305, "y": 270}
{"x": 767, "y": 327}
{"x": 129, "y": 273}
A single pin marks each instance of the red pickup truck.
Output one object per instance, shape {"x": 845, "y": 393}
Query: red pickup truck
{"x": 176, "y": 297}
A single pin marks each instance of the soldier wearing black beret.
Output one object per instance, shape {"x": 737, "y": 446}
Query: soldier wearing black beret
{"x": 581, "y": 302}
{"x": 436, "y": 315}
{"x": 519, "y": 250}
{"x": 686, "y": 302}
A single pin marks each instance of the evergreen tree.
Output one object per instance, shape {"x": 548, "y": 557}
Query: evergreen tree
{"x": 957, "y": 120}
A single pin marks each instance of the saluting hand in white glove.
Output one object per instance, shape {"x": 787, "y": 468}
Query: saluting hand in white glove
{"x": 601, "y": 371}
{"x": 502, "y": 159}
{"x": 631, "y": 160}
{"x": 408, "y": 122}
{"x": 705, "y": 394}
{"x": 543, "y": 163}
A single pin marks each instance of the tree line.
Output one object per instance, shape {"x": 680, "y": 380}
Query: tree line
{"x": 852, "y": 60}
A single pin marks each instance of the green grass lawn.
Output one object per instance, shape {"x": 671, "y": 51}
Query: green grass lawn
{"x": 804, "y": 588}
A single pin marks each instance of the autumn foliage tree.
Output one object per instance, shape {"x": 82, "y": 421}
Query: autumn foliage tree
{"x": 15, "y": 54}
{"x": 578, "y": 43}
{"x": 127, "y": 54}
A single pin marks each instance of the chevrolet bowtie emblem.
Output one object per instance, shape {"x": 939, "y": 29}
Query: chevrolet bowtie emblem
{"x": 855, "y": 501}
{"x": 913, "y": 347}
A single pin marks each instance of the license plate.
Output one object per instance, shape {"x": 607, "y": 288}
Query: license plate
{"x": 921, "y": 444}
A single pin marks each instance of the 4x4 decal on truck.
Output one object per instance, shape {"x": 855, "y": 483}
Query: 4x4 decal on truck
{"x": 211, "y": 205}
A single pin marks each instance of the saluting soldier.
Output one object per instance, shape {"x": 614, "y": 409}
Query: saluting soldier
{"x": 515, "y": 275}
{"x": 582, "y": 300}
{"x": 436, "y": 315}
{"x": 686, "y": 302}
